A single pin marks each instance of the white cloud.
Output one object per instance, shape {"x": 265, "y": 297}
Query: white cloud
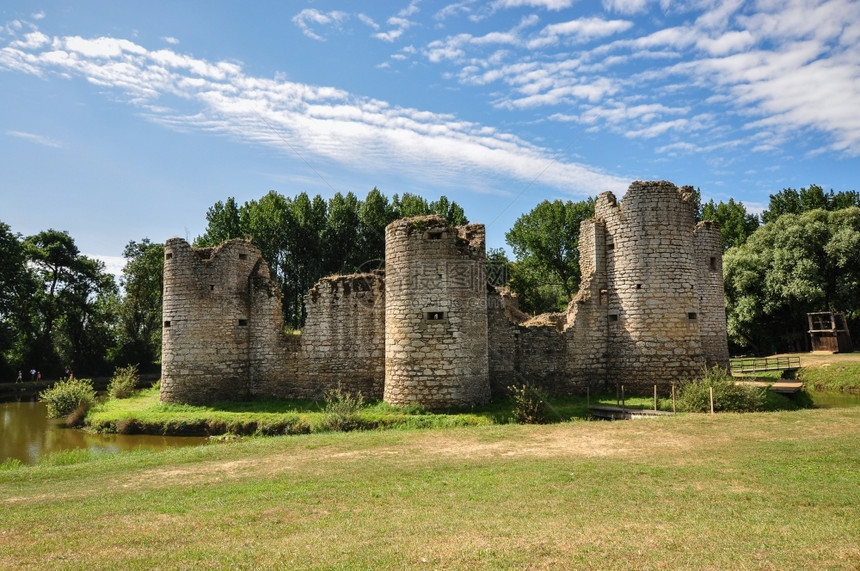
{"x": 317, "y": 121}
{"x": 781, "y": 65}
{"x": 546, "y": 4}
{"x": 310, "y": 17}
{"x": 37, "y": 139}
{"x": 171, "y": 40}
{"x": 581, "y": 30}
{"x": 113, "y": 264}
{"x": 364, "y": 18}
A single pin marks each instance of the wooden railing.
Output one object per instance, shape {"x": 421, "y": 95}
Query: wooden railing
{"x": 758, "y": 365}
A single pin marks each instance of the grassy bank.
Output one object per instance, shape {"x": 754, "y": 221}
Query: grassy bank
{"x": 835, "y": 376}
{"x": 142, "y": 414}
{"x": 764, "y": 490}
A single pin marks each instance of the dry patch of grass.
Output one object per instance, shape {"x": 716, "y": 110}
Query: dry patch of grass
{"x": 777, "y": 490}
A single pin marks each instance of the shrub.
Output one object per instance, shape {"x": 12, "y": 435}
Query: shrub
{"x": 68, "y": 395}
{"x": 124, "y": 382}
{"x": 530, "y": 404}
{"x": 341, "y": 409}
{"x": 729, "y": 395}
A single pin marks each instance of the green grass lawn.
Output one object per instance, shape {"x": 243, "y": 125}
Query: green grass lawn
{"x": 835, "y": 376}
{"x": 753, "y": 491}
{"x": 143, "y": 413}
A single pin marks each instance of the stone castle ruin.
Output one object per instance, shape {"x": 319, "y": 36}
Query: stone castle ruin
{"x": 429, "y": 330}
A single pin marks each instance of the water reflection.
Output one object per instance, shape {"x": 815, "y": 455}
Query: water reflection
{"x": 28, "y": 435}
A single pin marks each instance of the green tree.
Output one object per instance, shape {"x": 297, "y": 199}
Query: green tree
{"x": 304, "y": 239}
{"x": 71, "y": 306}
{"x": 139, "y": 336}
{"x": 791, "y": 201}
{"x": 787, "y": 268}
{"x": 16, "y": 290}
{"x": 453, "y": 212}
{"x": 413, "y": 205}
{"x": 546, "y": 245}
{"x": 498, "y": 267}
{"x": 374, "y": 215}
{"x": 340, "y": 237}
{"x": 224, "y": 222}
{"x": 736, "y": 224}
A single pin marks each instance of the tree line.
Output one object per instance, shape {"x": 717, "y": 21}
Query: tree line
{"x": 60, "y": 310}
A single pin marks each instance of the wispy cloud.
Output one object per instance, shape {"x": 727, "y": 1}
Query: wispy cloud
{"x": 36, "y": 139}
{"x": 323, "y": 123}
{"x": 779, "y": 66}
{"x": 311, "y": 19}
{"x": 399, "y": 23}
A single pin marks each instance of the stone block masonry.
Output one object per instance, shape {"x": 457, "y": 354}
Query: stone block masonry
{"x": 428, "y": 330}
{"x": 435, "y": 314}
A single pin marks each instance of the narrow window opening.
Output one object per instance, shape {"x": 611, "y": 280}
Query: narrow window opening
{"x": 692, "y": 315}
{"x": 613, "y": 317}
{"x": 243, "y": 323}
{"x": 638, "y": 286}
{"x": 167, "y": 324}
{"x": 211, "y": 287}
{"x": 168, "y": 255}
{"x": 434, "y": 235}
{"x": 610, "y": 246}
{"x": 713, "y": 263}
{"x": 243, "y": 256}
{"x": 434, "y": 316}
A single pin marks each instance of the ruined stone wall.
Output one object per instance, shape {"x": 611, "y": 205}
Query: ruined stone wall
{"x": 712, "y": 298}
{"x": 343, "y": 340}
{"x": 435, "y": 314}
{"x": 272, "y": 356}
{"x": 650, "y": 310}
{"x": 503, "y": 335}
{"x": 586, "y": 334}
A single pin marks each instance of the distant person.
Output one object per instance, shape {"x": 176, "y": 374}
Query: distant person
{"x": 38, "y": 375}
{"x": 20, "y": 379}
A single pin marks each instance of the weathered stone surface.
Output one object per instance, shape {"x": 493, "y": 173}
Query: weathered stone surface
{"x": 650, "y": 310}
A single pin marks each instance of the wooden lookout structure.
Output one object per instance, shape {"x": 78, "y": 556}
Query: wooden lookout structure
{"x": 828, "y": 331}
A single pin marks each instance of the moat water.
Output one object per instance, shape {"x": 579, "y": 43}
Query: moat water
{"x": 28, "y": 435}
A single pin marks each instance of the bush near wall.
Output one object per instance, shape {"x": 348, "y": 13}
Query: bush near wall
{"x": 729, "y": 395}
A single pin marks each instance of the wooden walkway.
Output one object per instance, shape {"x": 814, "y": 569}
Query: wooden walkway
{"x": 624, "y": 413}
{"x": 765, "y": 364}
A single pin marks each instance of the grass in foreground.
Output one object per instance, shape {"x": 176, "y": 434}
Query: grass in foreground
{"x": 247, "y": 417}
{"x": 775, "y": 490}
{"x": 142, "y": 413}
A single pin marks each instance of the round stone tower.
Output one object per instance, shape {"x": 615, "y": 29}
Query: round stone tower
{"x": 653, "y": 315}
{"x": 206, "y": 313}
{"x": 435, "y": 314}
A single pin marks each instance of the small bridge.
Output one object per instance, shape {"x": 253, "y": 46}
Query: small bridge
{"x": 624, "y": 413}
{"x": 756, "y": 365}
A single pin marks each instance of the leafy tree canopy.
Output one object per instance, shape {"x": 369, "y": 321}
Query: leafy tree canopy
{"x": 791, "y": 201}
{"x": 545, "y": 242}
{"x": 791, "y": 266}
{"x": 304, "y": 238}
{"x": 736, "y": 224}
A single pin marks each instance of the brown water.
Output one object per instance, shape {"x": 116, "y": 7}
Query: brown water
{"x": 28, "y": 435}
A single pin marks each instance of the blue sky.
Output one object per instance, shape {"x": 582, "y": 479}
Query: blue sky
{"x": 125, "y": 120}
